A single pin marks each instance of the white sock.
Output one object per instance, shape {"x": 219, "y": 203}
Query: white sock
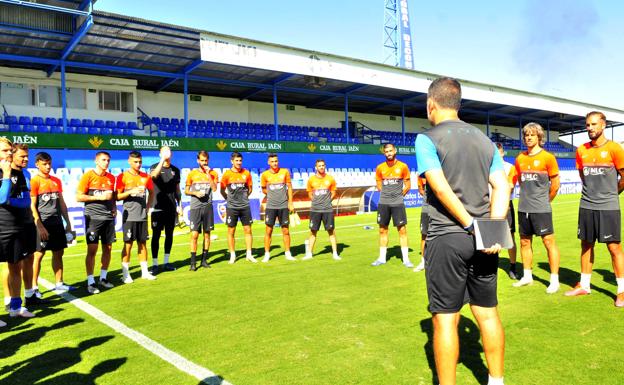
{"x": 125, "y": 268}
{"x": 528, "y": 275}
{"x": 287, "y": 254}
{"x": 154, "y": 261}
{"x": 7, "y": 300}
{"x": 554, "y": 279}
{"x": 495, "y": 381}
{"x": 59, "y": 283}
{"x": 382, "y": 254}
{"x": 249, "y": 253}
{"x": 90, "y": 280}
{"x": 28, "y": 292}
{"x": 35, "y": 288}
{"x": 166, "y": 261}
{"x": 307, "y": 246}
{"x": 404, "y": 253}
{"x": 620, "y": 285}
{"x": 232, "y": 254}
{"x": 267, "y": 255}
{"x": 103, "y": 273}
{"x": 585, "y": 279}
{"x": 336, "y": 253}
{"x": 144, "y": 270}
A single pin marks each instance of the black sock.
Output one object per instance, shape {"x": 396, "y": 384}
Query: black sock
{"x": 512, "y": 266}
{"x": 193, "y": 256}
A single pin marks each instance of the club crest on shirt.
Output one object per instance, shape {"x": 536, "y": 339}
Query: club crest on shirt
{"x": 536, "y": 163}
{"x": 14, "y": 179}
{"x": 604, "y": 154}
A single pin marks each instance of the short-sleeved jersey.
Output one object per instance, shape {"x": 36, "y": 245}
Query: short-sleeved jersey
{"x": 392, "y": 181}
{"x": 165, "y": 188}
{"x": 12, "y": 217}
{"x": 135, "y": 206}
{"x": 47, "y": 192}
{"x": 321, "y": 189}
{"x": 276, "y": 184}
{"x": 237, "y": 185}
{"x": 93, "y": 184}
{"x": 533, "y": 173}
{"x": 600, "y": 166}
{"x": 198, "y": 180}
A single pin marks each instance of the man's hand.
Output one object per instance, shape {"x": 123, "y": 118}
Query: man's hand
{"x": 43, "y": 233}
{"x": 106, "y": 196}
{"x": 291, "y": 208}
{"x": 200, "y": 194}
{"x": 494, "y": 249}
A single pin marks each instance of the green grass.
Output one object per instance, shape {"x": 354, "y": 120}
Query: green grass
{"x": 316, "y": 322}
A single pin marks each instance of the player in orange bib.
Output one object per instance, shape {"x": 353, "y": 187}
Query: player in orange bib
{"x": 97, "y": 190}
{"x": 49, "y": 210}
{"x": 132, "y": 187}
{"x": 537, "y": 173}
{"x": 601, "y": 166}
{"x": 321, "y": 191}
{"x": 276, "y": 184}
{"x": 201, "y": 183}
{"x": 236, "y": 186}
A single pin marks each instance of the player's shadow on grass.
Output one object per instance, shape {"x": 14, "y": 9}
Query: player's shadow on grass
{"x": 469, "y": 349}
{"x": 13, "y": 343}
{"x": 214, "y": 380}
{"x": 328, "y": 250}
{"x": 97, "y": 371}
{"x": 571, "y": 277}
{"x": 394, "y": 252}
{"x": 33, "y": 369}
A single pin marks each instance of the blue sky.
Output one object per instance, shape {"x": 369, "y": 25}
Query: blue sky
{"x": 572, "y": 49}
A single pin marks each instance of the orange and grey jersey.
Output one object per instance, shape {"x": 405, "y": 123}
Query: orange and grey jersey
{"x": 93, "y": 184}
{"x": 600, "y": 166}
{"x": 199, "y": 180}
{"x": 533, "y": 173}
{"x": 47, "y": 191}
{"x": 134, "y": 205}
{"x": 392, "y": 180}
{"x": 321, "y": 189}
{"x": 276, "y": 184}
{"x": 237, "y": 185}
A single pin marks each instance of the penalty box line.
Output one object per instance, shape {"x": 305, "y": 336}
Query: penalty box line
{"x": 202, "y": 374}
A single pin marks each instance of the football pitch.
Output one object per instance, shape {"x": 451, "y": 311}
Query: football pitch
{"x": 310, "y": 322}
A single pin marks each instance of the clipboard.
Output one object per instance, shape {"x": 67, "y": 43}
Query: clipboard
{"x": 489, "y": 232}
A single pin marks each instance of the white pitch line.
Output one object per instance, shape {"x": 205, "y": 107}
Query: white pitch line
{"x": 204, "y": 375}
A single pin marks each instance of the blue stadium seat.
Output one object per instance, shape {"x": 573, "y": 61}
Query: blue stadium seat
{"x": 99, "y": 124}
{"x": 193, "y": 122}
{"x": 111, "y": 124}
{"x": 87, "y": 123}
{"x": 175, "y": 121}
{"x": 42, "y": 128}
{"x": 170, "y": 134}
{"x": 121, "y": 124}
{"x": 201, "y": 123}
{"x": 23, "y": 120}
{"x": 93, "y": 130}
{"x": 29, "y": 128}
{"x": 56, "y": 129}
{"x": 80, "y": 130}
{"x": 75, "y": 122}
{"x": 105, "y": 131}
{"x": 156, "y": 121}
{"x": 165, "y": 121}
{"x": 209, "y": 134}
{"x": 37, "y": 121}
{"x": 117, "y": 131}
{"x": 10, "y": 119}
{"x": 210, "y": 123}
{"x": 51, "y": 121}
{"x": 128, "y": 132}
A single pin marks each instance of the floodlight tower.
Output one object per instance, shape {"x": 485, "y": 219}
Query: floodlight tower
{"x": 397, "y": 36}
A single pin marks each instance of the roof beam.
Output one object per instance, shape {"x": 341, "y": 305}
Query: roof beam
{"x": 84, "y": 5}
{"x": 46, "y": 7}
{"x": 347, "y": 90}
{"x": 276, "y": 81}
{"x": 186, "y": 70}
{"x": 82, "y": 31}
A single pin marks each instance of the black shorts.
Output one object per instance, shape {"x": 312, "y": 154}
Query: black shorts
{"x": 163, "y": 220}
{"x": 511, "y": 217}
{"x": 424, "y": 222}
{"x": 12, "y": 247}
{"x": 56, "y": 237}
{"x": 539, "y": 224}
{"x": 97, "y": 229}
{"x": 202, "y": 219}
{"x": 233, "y": 215}
{"x": 135, "y": 231}
{"x": 29, "y": 238}
{"x": 398, "y": 214}
{"x": 599, "y": 225}
{"x": 457, "y": 274}
{"x": 316, "y": 218}
{"x": 282, "y": 214}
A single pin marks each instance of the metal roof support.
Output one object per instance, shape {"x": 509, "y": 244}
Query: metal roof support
{"x": 403, "y": 120}
{"x": 186, "y": 101}
{"x": 347, "y": 90}
{"x": 84, "y": 5}
{"x": 346, "y": 105}
{"x": 487, "y": 123}
{"x": 275, "y": 81}
{"x": 184, "y": 71}
{"x": 82, "y": 31}
{"x": 45, "y": 7}
{"x": 572, "y": 134}
{"x": 14, "y": 28}
{"x": 63, "y": 98}
{"x": 275, "y": 117}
